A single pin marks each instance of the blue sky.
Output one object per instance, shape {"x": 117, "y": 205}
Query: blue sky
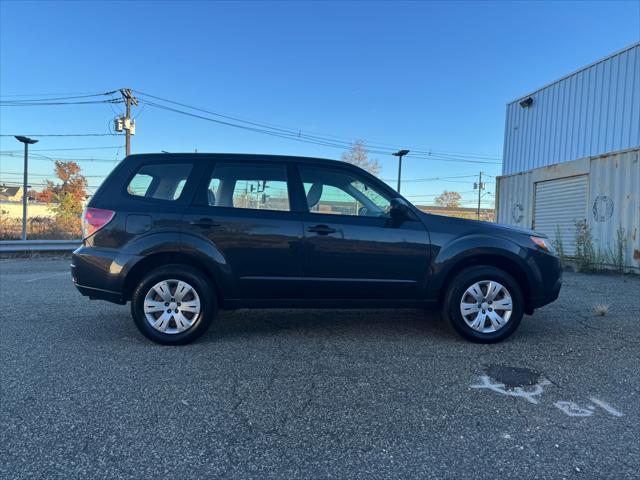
{"x": 428, "y": 75}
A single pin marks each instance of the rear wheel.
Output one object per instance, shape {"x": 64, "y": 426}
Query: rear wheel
{"x": 484, "y": 304}
{"x": 173, "y": 305}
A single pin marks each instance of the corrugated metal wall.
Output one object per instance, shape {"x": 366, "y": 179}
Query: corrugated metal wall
{"x": 613, "y": 198}
{"x": 614, "y": 201}
{"x": 591, "y": 112}
{"x": 515, "y": 197}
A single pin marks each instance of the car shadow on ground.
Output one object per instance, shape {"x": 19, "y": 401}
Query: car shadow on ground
{"x": 381, "y": 323}
{"x": 388, "y": 324}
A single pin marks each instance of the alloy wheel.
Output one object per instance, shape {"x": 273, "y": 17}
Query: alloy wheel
{"x": 486, "y": 306}
{"x": 172, "y": 306}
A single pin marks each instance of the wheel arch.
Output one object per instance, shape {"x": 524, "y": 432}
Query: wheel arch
{"x": 503, "y": 262}
{"x": 150, "y": 262}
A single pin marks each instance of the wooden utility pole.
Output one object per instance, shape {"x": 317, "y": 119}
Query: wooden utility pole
{"x": 128, "y": 126}
{"x": 479, "y": 193}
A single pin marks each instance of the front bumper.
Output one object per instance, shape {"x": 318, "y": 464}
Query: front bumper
{"x": 549, "y": 283}
{"x": 551, "y": 295}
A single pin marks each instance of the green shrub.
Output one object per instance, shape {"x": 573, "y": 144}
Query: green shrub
{"x": 585, "y": 253}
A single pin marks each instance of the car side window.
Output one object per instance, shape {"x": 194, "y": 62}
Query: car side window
{"x": 249, "y": 185}
{"x": 160, "y": 181}
{"x": 340, "y": 192}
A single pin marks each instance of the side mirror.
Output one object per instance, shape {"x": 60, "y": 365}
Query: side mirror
{"x": 400, "y": 211}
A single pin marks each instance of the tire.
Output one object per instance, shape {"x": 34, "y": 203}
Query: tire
{"x": 491, "y": 330}
{"x": 182, "y": 321}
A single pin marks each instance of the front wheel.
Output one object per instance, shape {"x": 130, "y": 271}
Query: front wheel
{"x": 484, "y": 304}
{"x": 173, "y": 305}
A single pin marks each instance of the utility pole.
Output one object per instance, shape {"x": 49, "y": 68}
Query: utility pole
{"x": 27, "y": 141}
{"x": 400, "y": 154}
{"x": 480, "y": 188}
{"x": 125, "y": 123}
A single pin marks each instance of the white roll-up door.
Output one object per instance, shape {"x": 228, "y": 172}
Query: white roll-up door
{"x": 558, "y": 204}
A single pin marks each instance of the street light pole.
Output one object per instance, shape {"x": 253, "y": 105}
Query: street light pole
{"x": 27, "y": 141}
{"x": 400, "y": 154}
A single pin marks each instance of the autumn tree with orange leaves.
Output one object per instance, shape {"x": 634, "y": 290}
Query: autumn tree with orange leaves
{"x": 67, "y": 196}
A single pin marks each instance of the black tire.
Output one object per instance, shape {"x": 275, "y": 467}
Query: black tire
{"x": 204, "y": 290}
{"x": 465, "y": 279}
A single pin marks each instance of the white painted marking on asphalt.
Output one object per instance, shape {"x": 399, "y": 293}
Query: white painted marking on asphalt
{"x": 44, "y": 277}
{"x": 608, "y": 408}
{"x": 573, "y": 409}
{"x": 529, "y": 395}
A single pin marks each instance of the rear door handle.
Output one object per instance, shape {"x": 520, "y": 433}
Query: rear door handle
{"x": 204, "y": 223}
{"x": 321, "y": 229}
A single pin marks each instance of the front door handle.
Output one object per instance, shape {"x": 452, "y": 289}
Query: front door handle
{"x": 204, "y": 223}
{"x": 321, "y": 229}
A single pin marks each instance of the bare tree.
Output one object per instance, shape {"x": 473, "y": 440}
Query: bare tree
{"x": 359, "y": 156}
{"x": 448, "y": 199}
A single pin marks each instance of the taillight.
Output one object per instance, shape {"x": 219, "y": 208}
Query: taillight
{"x": 93, "y": 219}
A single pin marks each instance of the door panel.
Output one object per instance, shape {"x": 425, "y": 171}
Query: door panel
{"x": 247, "y": 219}
{"x": 352, "y": 247}
{"x": 364, "y": 258}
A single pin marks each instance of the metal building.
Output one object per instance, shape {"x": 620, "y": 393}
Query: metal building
{"x": 572, "y": 154}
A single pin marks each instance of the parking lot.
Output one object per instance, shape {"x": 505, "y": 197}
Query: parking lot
{"x": 316, "y": 394}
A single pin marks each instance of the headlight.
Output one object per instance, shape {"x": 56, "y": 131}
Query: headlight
{"x": 543, "y": 243}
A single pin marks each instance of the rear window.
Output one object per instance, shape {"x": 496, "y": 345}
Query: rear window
{"x": 162, "y": 181}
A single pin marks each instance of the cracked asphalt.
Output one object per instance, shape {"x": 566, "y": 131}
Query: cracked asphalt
{"x": 360, "y": 394}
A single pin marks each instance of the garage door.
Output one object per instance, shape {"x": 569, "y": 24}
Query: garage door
{"x": 558, "y": 204}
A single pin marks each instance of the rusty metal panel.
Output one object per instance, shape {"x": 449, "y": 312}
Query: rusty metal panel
{"x": 614, "y": 202}
{"x": 591, "y": 112}
{"x": 515, "y": 197}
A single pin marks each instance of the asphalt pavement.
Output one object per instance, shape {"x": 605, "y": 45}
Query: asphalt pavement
{"x": 312, "y": 394}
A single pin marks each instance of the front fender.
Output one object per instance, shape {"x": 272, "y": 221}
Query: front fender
{"x": 471, "y": 250}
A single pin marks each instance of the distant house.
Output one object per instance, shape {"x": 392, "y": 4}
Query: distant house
{"x": 10, "y": 194}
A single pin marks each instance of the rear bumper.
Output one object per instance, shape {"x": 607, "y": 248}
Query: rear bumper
{"x": 98, "y": 294}
{"x": 100, "y": 274}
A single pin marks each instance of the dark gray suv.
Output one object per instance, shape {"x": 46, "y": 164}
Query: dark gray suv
{"x": 183, "y": 235}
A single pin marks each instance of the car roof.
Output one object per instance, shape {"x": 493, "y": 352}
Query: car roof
{"x": 237, "y": 157}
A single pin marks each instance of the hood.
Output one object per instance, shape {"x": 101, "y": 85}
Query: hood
{"x": 488, "y": 226}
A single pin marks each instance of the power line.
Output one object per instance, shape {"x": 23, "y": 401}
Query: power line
{"x": 296, "y": 134}
{"x": 64, "y": 149}
{"x": 331, "y": 141}
{"x": 37, "y": 104}
{"x": 299, "y": 137}
{"x": 253, "y": 126}
{"x": 79, "y": 94}
{"x": 385, "y": 148}
{"x": 67, "y": 135}
{"x": 49, "y": 99}
{"x": 66, "y": 100}
{"x": 31, "y": 174}
{"x": 434, "y": 194}
{"x": 52, "y": 159}
{"x": 38, "y": 183}
{"x": 427, "y": 179}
